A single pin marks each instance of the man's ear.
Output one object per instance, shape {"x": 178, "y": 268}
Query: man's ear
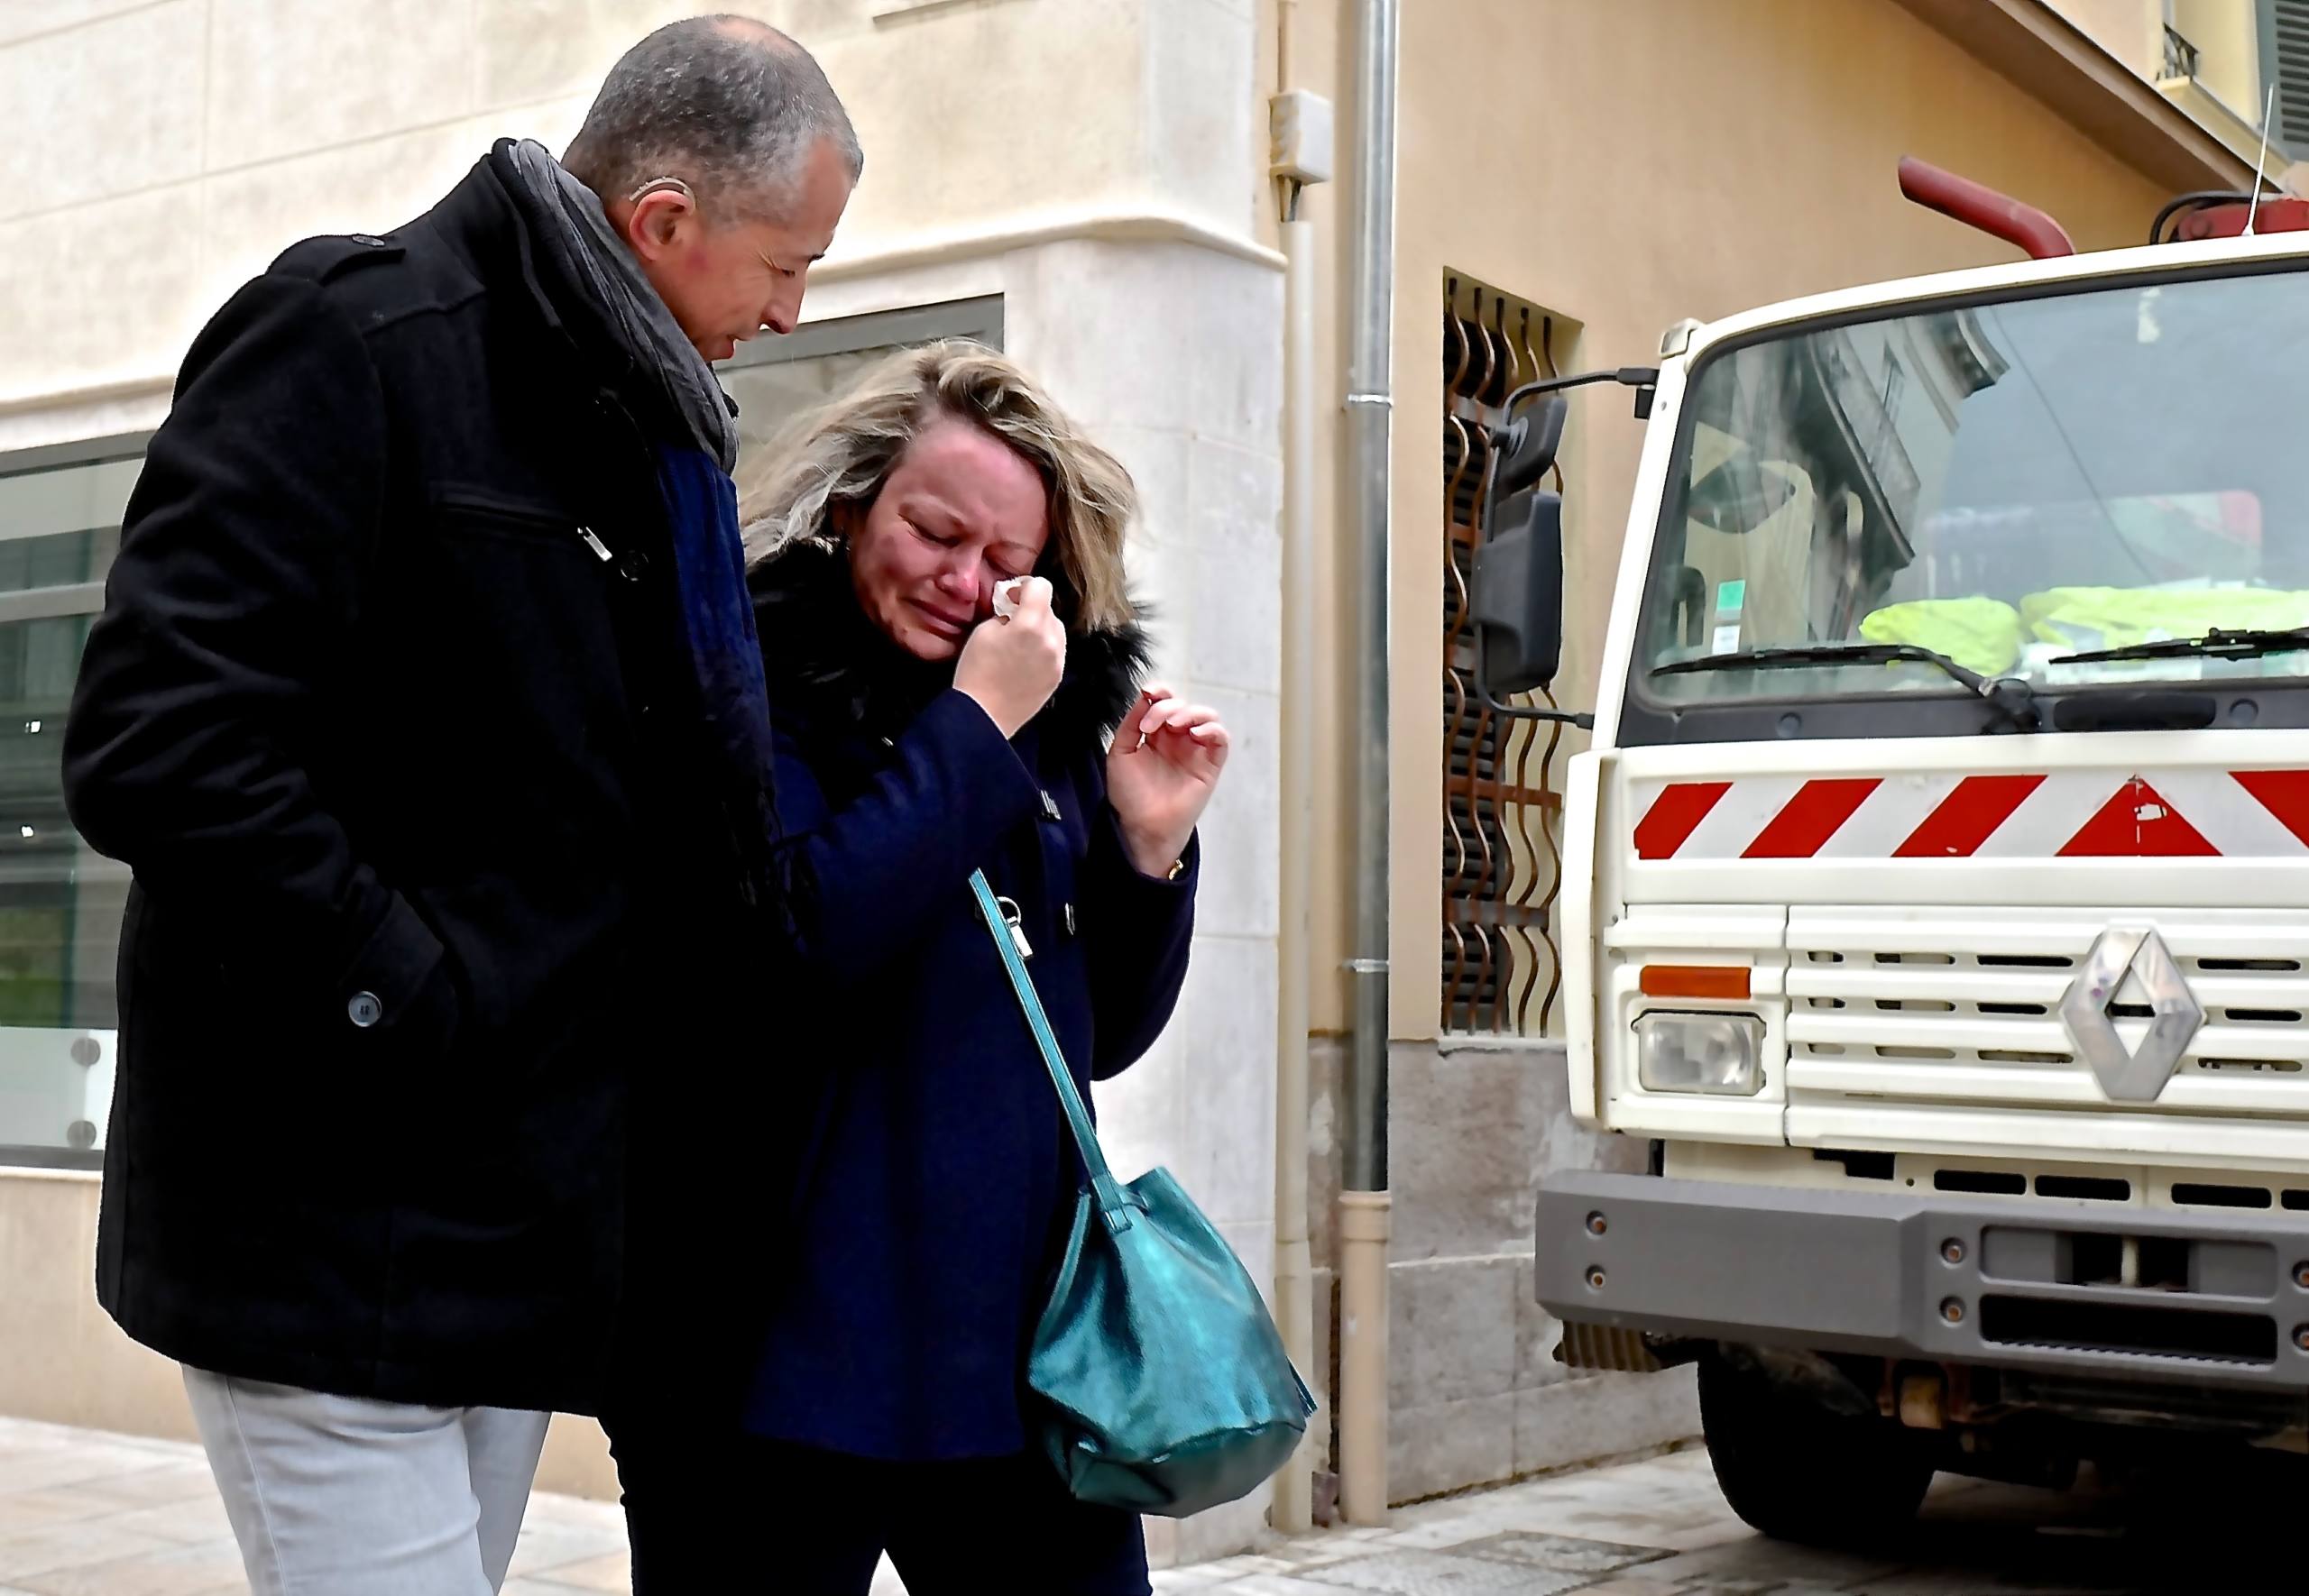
{"x": 658, "y": 223}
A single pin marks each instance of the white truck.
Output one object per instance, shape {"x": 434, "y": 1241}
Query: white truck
{"x": 1936, "y": 885}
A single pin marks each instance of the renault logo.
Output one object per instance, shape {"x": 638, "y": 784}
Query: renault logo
{"x": 2125, "y": 958}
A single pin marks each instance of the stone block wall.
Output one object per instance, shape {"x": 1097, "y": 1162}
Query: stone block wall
{"x": 1476, "y": 1395}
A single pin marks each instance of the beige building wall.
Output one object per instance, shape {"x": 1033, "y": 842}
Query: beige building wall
{"x": 2227, "y": 34}
{"x": 2226, "y": 96}
{"x": 2132, "y": 31}
{"x": 1099, "y": 164}
{"x": 158, "y": 155}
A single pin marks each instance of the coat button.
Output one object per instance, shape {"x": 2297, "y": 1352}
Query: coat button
{"x": 365, "y": 1009}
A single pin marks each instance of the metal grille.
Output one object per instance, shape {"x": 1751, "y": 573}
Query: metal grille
{"x": 2288, "y": 25}
{"x": 1502, "y": 858}
{"x": 1938, "y": 1007}
{"x": 2181, "y": 57}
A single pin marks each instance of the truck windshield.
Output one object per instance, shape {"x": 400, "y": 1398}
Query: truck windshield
{"x": 2007, "y": 485}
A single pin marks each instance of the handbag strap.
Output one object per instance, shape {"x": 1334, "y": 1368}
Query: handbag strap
{"x": 1113, "y": 1203}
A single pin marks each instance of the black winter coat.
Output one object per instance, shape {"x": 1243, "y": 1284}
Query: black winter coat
{"x": 385, "y": 711}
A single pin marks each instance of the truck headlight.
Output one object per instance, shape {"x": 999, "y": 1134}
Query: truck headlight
{"x": 1717, "y": 1053}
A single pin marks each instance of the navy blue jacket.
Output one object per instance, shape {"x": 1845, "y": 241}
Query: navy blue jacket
{"x": 936, "y": 1182}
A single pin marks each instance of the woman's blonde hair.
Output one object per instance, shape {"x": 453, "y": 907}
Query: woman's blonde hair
{"x": 841, "y": 455}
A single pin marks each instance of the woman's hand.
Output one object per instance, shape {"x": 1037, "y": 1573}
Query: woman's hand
{"x": 1012, "y": 663}
{"x": 1161, "y": 771}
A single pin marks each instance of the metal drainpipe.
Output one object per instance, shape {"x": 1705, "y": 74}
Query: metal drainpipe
{"x": 1365, "y": 1219}
{"x": 1293, "y": 1510}
{"x": 1294, "y": 1292}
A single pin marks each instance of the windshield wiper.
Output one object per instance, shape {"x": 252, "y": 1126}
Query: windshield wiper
{"x": 2011, "y": 697}
{"x": 2248, "y": 643}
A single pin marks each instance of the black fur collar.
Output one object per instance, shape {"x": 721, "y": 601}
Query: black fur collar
{"x": 824, "y": 659}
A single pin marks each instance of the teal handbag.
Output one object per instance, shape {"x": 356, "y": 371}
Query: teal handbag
{"x": 1163, "y": 1385}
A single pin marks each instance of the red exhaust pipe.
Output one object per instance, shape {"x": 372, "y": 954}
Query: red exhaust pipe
{"x": 1978, "y": 206}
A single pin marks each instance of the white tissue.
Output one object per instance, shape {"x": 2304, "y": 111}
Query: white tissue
{"x": 1005, "y": 596}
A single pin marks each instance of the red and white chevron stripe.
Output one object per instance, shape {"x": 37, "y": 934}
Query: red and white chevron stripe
{"x": 2172, "y": 814}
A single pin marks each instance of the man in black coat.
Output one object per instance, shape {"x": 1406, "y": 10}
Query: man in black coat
{"x": 426, "y": 709}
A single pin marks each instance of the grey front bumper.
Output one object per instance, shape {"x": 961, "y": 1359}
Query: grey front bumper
{"x": 2027, "y": 1285}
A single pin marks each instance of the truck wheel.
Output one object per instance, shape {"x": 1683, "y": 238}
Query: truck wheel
{"x": 1799, "y": 1472}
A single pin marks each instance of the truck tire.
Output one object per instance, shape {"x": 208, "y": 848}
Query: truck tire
{"x": 1796, "y": 1472}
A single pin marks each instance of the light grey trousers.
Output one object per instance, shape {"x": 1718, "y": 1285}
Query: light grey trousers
{"x": 342, "y": 1496}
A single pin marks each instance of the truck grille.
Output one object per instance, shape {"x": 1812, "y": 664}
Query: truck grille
{"x": 1886, "y": 1003}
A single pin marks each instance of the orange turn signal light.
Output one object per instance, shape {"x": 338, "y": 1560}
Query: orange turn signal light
{"x": 1721, "y": 981}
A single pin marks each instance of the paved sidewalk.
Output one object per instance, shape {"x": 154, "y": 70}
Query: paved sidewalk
{"x": 1659, "y": 1528}
{"x": 89, "y": 1514}
{"x": 83, "y": 1513}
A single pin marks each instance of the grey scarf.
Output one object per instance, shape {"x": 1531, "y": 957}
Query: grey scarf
{"x": 589, "y": 252}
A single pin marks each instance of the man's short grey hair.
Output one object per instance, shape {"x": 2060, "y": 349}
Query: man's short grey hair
{"x": 729, "y": 105}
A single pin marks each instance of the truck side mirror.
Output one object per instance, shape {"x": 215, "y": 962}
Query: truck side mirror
{"x": 1516, "y": 597}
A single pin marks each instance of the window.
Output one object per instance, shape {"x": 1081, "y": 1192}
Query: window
{"x": 773, "y": 379}
{"x": 2071, "y": 473}
{"x": 60, "y": 902}
{"x": 1895, "y": 382}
